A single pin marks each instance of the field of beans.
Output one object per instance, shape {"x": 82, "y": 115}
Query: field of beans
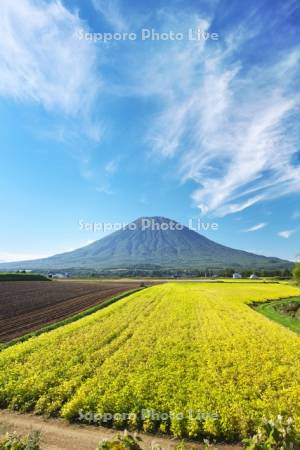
{"x": 190, "y": 359}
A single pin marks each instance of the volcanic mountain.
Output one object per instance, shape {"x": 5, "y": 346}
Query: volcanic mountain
{"x": 153, "y": 241}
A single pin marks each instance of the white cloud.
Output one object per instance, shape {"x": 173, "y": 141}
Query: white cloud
{"x": 111, "y": 167}
{"x": 286, "y": 234}
{"x": 229, "y": 125}
{"x": 10, "y": 257}
{"x": 15, "y": 256}
{"x": 110, "y": 10}
{"x": 42, "y": 61}
{"x": 104, "y": 188}
{"x": 257, "y": 227}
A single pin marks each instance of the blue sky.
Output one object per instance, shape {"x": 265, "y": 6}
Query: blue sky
{"x": 109, "y": 131}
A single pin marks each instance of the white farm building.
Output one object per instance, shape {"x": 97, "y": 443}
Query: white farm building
{"x": 236, "y": 275}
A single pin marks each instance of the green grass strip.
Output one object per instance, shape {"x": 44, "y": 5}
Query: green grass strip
{"x": 5, "y": 276}
{"x": 270, "y": 310}
{"x": 68, "y": 320}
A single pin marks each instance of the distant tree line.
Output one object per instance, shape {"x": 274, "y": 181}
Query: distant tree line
{"x": 153, "y": 271}
{"x": 296, "y": 273}
{"x": 193, "y": 273}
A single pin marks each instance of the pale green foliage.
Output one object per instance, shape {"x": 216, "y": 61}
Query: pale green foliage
{"x": 123, "y": 441}
{"x": 12, "y": 441}
{"x": 277, "y": 434}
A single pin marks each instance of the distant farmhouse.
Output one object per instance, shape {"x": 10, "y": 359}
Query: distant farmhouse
{"x": 254, "y": 277}
{"x": 236, "y": 275}
{"x": 58, "y": 275}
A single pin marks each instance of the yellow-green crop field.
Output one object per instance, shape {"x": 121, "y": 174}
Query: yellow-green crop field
{"x": 194, "y": 355}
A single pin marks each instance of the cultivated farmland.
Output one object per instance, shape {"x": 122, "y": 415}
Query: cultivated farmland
{"x": 26, "y": 306}
{"x": 195, "y": 352}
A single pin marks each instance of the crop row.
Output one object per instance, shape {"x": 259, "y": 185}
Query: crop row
{"x": 188, "y": 358}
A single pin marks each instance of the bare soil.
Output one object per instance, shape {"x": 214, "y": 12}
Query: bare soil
{"x": 27, "y": 306}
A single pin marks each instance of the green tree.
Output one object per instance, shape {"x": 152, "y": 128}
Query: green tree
{"x": 296, "y": 273}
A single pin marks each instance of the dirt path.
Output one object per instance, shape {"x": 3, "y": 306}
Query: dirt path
{"x": 58, "y": 434}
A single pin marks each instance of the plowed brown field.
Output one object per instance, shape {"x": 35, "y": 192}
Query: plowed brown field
{"x": 27, "y": 306}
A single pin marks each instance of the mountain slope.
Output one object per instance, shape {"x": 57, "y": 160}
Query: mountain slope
{"x": 165, "y": 243}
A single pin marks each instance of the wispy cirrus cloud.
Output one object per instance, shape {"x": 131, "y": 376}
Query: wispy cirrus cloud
{"x": 111, "y": 167}
{"x": 42, "y": 62}
{"x": 228, "y": 122}
{"x": 231, "y": 125}
{"x": 257, "y": 227}
{"x": 111, "y": 12}
{"x": 286, "y": 234}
